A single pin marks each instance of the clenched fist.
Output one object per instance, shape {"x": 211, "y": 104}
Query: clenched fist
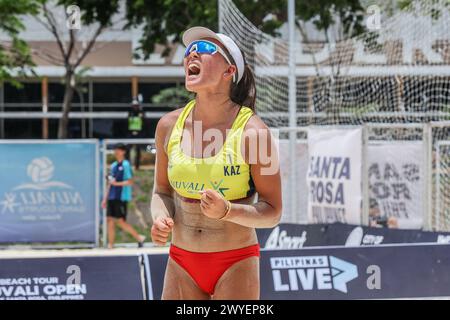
{"x": 161, "y": 229}
{"x": 213, "y": 205}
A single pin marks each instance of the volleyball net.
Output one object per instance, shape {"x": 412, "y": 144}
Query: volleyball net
{"x": 391, "y": 82}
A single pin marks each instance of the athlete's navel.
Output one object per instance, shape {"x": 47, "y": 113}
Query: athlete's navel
{"x": 200, "y": 226}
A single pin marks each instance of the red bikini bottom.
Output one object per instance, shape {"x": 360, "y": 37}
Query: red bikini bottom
{"x": 206, "y": 268}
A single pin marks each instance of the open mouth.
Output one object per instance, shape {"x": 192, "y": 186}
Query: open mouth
{"x": 193, "y": 69}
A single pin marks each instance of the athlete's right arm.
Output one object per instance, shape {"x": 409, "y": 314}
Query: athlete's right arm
{"x": 162, "y": 206}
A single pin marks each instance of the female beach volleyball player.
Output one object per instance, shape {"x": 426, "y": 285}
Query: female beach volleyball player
{"x": 204, "y": 196}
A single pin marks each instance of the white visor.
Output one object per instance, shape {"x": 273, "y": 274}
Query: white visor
{"x": 198, "y": 33}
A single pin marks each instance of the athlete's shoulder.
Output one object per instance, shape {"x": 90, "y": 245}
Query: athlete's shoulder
{"x": 256, "y": 130}
{"x": 255, "y": 123}
{"x": 168, "y": 120}
{"x": 114, "y": 164}
{"x": 165, "y": 126}
{"x": 258, "y": 134}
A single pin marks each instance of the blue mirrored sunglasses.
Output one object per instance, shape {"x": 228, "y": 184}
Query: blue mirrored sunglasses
{"x": 206, "y": 47}
{"x": 202, "y": 47}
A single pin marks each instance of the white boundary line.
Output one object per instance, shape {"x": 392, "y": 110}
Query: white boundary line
{"x": 64, "y": 253}
{"x": 47, "y": 141}
{"x": 418, "y": 244}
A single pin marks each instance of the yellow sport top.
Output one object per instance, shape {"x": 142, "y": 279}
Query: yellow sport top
{"x": 226, "y": 171}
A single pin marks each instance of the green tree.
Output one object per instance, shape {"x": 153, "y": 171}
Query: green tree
{"x": 173, "y": 96}
{"x": 74, "y": 44}
{"x": 14, "y": 52}
{"x": 344, "y": 19}
{"x": 429, "y": 7}
{"x": 164, "y": 21}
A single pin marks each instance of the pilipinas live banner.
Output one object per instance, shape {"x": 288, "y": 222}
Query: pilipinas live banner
{"x": 297, "y": 236}
{"x": 334, "y": 175}
{"x": 397, "y": 182}
{"x": 71, "y": 278}
{"x": 48, "y": 191}
{"x": 372, "y": 272}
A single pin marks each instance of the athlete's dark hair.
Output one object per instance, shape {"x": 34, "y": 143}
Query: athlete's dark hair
{"x": 244, "y": 92}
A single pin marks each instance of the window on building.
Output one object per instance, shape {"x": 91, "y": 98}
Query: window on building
{"x": 80, "y": 100}
{"x": 56, "y": 93}
{"x": 112, "y": 92}
{"x": 28, "y": 97}
{"x": 23, "y": 128}
{"x": 149, "y": 89}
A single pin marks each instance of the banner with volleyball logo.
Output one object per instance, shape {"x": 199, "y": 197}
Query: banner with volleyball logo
{"x": 48, "y": 192}
{"x": 397, "y": 183}
{"x": 334, "y": 175}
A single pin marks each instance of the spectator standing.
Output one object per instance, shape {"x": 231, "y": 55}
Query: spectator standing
{"x": 117, "y": 196}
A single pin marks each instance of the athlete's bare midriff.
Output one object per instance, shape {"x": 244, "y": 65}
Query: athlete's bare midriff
{"x": 193, "y": 231}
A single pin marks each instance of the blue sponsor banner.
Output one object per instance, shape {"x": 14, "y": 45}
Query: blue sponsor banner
{"x": 297, "y": 236}
{"x": 71, "y": 278}
{"x": 48, "y": 192}
{"x": 367, "y": 272}
{"x": 372, "y": 272}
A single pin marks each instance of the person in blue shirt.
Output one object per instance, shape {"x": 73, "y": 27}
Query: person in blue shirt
{"x": 117, "y": 196}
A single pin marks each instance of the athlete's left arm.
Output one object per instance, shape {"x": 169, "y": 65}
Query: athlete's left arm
{"x": 261, "y": 152}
